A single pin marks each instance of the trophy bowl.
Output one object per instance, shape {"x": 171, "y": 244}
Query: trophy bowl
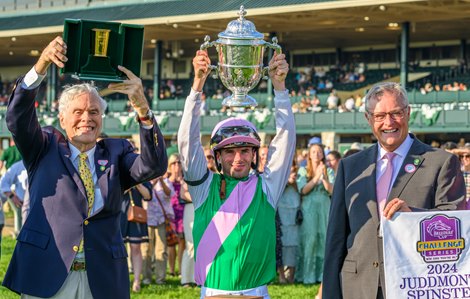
{"x": 240, "y": 51}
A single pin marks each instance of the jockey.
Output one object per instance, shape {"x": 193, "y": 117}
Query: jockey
{"x": 234, "y": 225}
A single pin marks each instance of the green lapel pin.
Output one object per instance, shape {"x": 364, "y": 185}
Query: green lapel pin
{"x": 416, "y": 162}
{"x": 102, "y": 164}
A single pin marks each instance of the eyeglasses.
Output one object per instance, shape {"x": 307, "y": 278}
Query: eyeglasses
{"x": 330, "y": 160}
{"x": 464, "y": 156}
{"x": 395, "y": 115}
{"x": 176, "y": 162}
{"x": 227, "y": 132}
{"x": 210, "y": 157}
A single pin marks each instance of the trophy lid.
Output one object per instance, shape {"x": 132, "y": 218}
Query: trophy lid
{"x": 241, "y": 28}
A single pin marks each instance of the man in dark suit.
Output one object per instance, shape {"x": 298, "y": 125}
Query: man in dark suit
{"x": 419, "y": 177}
{"x": 71, "y": 245}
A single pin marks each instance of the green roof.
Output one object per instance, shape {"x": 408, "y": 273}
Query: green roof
{"x": 45, "y": 18}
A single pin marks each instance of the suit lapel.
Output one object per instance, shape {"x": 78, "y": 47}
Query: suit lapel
{"x": 65, "y": 156}
{"x": 371, "y": 183}
{"x": 410, "y": 166}
{"x": 363, "y": 180}
{"x": 102, "y": 169}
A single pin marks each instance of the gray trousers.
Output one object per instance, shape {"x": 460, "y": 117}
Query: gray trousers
{"x": 75, "y": 287}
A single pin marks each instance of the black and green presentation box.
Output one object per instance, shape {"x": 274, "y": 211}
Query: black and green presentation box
{"x": 96, "y": 48}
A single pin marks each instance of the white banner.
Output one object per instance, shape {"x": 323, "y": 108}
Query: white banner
{"x": 426, "y": 255}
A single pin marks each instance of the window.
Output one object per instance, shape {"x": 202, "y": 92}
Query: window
{"x": 179, "y": 66}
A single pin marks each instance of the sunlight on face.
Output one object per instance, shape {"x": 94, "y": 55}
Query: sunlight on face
{"x": 316, "y": 153}
{"x": 331, "y": 161}
{"x": 391, "y": 132}
{"x": 236, "y": 162}
{"x": 82, "y": 120}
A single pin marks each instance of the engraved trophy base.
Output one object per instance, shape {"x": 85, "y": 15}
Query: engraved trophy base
{"x": 239, "y": 100}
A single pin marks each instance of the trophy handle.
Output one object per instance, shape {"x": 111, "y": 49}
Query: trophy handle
{"x": 207, "y": 44}
{"x": 216, "y": 71}
{"x": 265, "y": 73}
{"x": 274, "y": 46}
{"x": 278, "y": 50}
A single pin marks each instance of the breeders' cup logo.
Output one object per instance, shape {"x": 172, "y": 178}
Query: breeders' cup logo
{"x": 440, "y": 239}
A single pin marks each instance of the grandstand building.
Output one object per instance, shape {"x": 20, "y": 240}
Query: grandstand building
{"x": 332, "y": 45}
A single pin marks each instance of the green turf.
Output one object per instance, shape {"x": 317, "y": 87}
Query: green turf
{"x": 172, "y": 289}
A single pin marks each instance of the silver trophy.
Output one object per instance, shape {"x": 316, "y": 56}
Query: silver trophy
{"x": 241, "y": 49}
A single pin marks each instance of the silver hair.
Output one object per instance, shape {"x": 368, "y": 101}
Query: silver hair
{"x": 70, "y": 92}
{"x": 375, "y": 93}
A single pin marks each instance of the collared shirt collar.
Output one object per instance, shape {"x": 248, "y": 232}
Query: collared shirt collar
{"x": 402, "y": 150}
{"x": 74, "y": 152}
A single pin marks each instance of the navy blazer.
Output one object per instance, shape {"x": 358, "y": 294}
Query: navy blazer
{"x": 58, "y": 218}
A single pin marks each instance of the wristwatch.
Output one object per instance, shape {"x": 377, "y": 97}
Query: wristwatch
{"x": 148, "y": 116}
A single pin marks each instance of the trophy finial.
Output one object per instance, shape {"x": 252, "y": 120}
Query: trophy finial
{"x": 242, "y": 13}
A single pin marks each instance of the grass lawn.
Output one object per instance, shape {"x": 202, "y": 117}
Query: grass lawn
{"x": 171, "y": 290}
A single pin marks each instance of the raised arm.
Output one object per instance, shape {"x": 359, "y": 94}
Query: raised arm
{"x": 282, "y": 148}
{"x": 54, "y": 53}
{"x": 21, "y": 117}
{"x": 189, "y": 142}
{"x": 152, "y": 161}
{"x": 134, "y": 90}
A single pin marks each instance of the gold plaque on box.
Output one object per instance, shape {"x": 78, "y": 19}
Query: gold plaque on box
{"x": 96, "y": 48}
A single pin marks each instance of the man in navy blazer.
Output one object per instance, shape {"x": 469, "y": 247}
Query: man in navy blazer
{"x": 48, "y": 260}
{"x": 423, "y": 178}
